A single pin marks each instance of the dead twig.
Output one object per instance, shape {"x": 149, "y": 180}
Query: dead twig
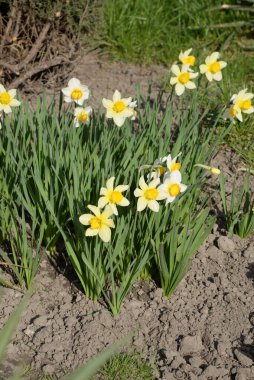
{"x": 35, "y": 49}
{"x": 43, "y": 66}
{"x": 8, "y": 28}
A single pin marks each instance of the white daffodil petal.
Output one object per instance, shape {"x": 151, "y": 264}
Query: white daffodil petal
{"x": 190, "y": 85}
{"x": 124, "y": 202}
{"x": 85, "y": 218}
{"x": 102, "y": 202}
{"x": 94, "y": 209}
{"x": 138, "y": 193}
{"x": 116, "y": 96}
{"x": 217, "y": 76}
{"x": 179, "y": 88}
{"x": 153, "y": 205}
{"x": 105, "y": 234}
{"x": 110, "y": 183}
{"x": 119, "y": 120}
{"x": 183, "y": 188}
{"x": 121, "y": 188}
{"x": 142, "y": 183}
{"x": 142, "y": 203}
{"x": 91, "y": 232}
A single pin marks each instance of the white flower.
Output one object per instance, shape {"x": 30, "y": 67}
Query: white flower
{"x": 242, "y": 103}
{"x": 148, "y": 195}
{"x": 75, "y": 92}
{"x": 82, "y": 116}
{"x": 182, "y": 79}
{"x": 186, "y": 58}
{"x": 118, "y": 109}
{"x": 172, "y": 165}
{"x": 172, "y": 186}
{"x": 132, "y": 107}
{"x": 212, "y": 67}
{"x": 99, "y": 222}
{"x": 7, "y": 99}
{"x": 113, "y": 196}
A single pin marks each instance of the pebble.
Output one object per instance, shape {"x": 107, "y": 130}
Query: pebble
{"x": 215, "y": 254}
{"x": 243, "y": 359}
{"x": 225, "y": 244}
{"x": 191, "y": 344}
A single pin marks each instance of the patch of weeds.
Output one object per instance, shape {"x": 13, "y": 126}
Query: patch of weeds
{"x": 126, "y": 366}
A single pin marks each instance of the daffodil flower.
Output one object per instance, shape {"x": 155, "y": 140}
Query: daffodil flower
{"x": 118, "y": 109}
{"x": 148, "y": 195}
{"x": 99, "y": 222}
{"x": 113, "y": 196}
{"x": 82, "y": 116}
{"x": 172, "y": 186}
{"x": 186, "y": 58}
{"x": 172, "y": 165}
{"x": 232, "y": 113}
{"x": 75, "y": 92}
{"x": 182, "y": 79}
{"x": 242, "y": 103}
{"x": 7, "y": 99}
{"x": 212, "y": 67}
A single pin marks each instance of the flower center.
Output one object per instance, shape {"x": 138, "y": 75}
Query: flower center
{"x": 82, "y": 116}
{"x": 151, "y": 194}
{"x": 232, "y": 112}
{"x": 173, "y": 189}
{"x": 5, "y": 98}
{"x": 184, "y": 78}
{"x": 244, "y": 104}
{"x": 95, "y": 223}
{"x": 76, "y": 94}
{"x": 175, "y": 166}
{"x": 190, "y": 60}
{"x": 119, "y": 106}
{"x": 214, "y": 67}
{"x": 115, "y": 197}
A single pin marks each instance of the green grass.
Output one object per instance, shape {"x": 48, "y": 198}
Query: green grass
{"x": 157, "y": 30}
{"x": 126, "y": 366}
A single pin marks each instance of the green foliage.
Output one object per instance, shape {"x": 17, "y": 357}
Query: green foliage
{"x": 126, "y": 366}
{"x": 239, "y": 207}
{"x": 54, "y": 171}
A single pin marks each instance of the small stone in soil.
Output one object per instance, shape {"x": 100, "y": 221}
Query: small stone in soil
{"x": 225, "y": 244}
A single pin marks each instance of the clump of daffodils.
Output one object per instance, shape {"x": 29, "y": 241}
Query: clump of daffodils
{"x": 119, "y": 109}
{"x": 240, "y": 103}
{"x": 170, "y": 187}
{"x": 212, "y": 67}
{"x": 100, "y": 223}
{"x": 7, "y": 99}
{"x": 182, "y": 79}
{"x": 78, "y": 93}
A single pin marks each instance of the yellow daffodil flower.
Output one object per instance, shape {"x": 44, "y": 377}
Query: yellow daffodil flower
{"x": 82, "y": 116}
{"x": 182, "y": 79}
{"x": 172, "y": 186}
{"x": 7, "y": 99}
{"x": 186, "y": 58}
{"x": 118, "y": 109}
{"x": 148, "y": 195}
{"x": 242, "y": 103}
{"x": 99, "y": 222}
{"x": 113, "y": 196}
{"x": 75, "y": 92}
{"x": 212, "y": 67}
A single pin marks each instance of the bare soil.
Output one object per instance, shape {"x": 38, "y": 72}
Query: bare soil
{"x": 204, "y": 331}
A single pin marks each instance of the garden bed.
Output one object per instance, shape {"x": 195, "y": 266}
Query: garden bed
{"x": 204, "y": 331}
